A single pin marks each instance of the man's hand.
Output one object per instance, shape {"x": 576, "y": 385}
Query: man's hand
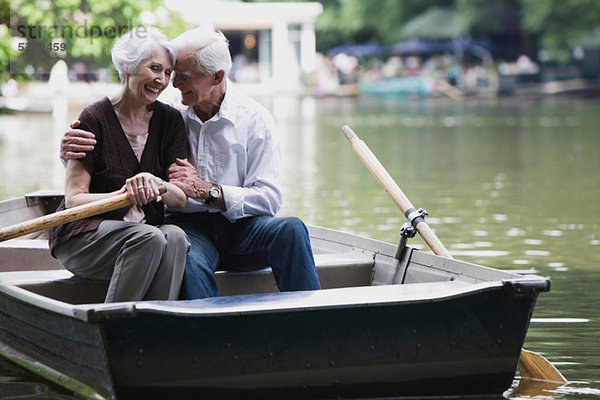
{"x": 184, "y": 175}
{"x": 75, "y": 142}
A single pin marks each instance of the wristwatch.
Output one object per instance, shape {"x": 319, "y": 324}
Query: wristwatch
{"x": 213, "y": 194}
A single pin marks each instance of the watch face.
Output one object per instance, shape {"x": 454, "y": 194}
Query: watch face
{"x": 215, "y": 192}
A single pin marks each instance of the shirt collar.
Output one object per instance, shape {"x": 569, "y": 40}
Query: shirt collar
{"x": 226, "y": 111}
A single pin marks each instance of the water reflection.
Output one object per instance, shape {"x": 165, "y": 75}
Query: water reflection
{"x": 29, "y": 146}
{"x": 528, "y": 389}
{"x": 532, "y": 389}
{"x": 507, "y": 184}
{"x": 19, "y": 384}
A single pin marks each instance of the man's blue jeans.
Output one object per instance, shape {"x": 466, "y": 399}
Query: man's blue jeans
{"x": 253, "y": 243}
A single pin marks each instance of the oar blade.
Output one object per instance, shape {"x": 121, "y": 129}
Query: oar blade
{"x": 535, "y": 366}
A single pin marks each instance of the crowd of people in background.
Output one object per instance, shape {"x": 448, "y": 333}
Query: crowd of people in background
{"x": 465, "y": 73}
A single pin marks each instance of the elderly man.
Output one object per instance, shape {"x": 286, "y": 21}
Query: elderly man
{"x": 231, "y": 177}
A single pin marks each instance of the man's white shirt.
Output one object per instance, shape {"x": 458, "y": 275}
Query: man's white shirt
{"x": 238, "y": 149}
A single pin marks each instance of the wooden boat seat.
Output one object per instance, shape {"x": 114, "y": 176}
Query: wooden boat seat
{"x": 335, "y": 270}
{"x": 59, "y": 284}
{"x": 23, "y": 254}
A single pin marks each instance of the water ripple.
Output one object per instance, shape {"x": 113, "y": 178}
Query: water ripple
{"x": 560, "y": 320}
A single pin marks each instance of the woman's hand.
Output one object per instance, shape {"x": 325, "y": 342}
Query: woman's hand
{"x": 143, "y": 188}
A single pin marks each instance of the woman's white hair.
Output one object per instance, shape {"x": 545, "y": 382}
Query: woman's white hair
{"x": 211, "y": 48}
{"x": 137, "y": 45}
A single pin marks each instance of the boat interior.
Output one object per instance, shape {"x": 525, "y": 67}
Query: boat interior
{"x": 343, "y": 260}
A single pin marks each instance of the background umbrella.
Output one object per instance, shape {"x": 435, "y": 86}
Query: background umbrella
{"x": 417, "y": 46}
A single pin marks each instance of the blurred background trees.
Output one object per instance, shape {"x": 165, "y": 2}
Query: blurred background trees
{"x": 554, "y": 26}
{"x": 548, "y": 27}
{"x": 87, "y": 28}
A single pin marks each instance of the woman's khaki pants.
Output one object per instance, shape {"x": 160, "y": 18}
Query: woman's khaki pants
{"x": 142, "y": 262}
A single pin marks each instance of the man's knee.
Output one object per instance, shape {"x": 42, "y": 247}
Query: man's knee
{"x": 292, "y": 227}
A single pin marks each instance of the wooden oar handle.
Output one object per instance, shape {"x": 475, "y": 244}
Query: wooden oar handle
{"x": 68, "y": 215}
{"x": 393, "y": 190}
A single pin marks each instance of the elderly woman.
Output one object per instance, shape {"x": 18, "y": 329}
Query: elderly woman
{"x": 138, "y": 138}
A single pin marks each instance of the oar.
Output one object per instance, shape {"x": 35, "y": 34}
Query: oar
{"x": 390, "y": 186}
{"x": 531, "y": 365}
{"x": 451, "y": 91}
{"x": 68, "y": 215}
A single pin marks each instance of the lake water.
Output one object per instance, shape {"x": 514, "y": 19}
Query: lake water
{"x": 508, "y": 183}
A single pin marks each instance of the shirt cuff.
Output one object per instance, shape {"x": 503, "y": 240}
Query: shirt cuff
{"x": 234, "y": 201}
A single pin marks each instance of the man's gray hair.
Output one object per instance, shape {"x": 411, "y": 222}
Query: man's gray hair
{"x": 137, "y": 45}
{"x": 211, "y": 48}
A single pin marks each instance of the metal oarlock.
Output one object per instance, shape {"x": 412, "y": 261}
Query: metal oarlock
{"x": 407, "y": 231}
{"x": 415, "y": 216}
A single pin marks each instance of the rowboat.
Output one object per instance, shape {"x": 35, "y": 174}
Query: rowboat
{"x": 397, "y": 86}
{"x": 390, "y": 321}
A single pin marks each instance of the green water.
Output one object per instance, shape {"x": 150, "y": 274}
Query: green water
{"x": 512, "y": 184}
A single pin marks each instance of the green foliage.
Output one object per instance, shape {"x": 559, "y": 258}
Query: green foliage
{"x": 561, "y": 23}
{"x": 72, "y": 30}
{"x": 485, "y": 16}
{"x": 361, "y": 21}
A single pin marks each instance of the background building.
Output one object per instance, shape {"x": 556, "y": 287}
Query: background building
{"x": 271, "y": 43}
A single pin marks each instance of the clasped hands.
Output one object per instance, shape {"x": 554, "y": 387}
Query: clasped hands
{"x": 75, "y": 142}
{"x": 142, "y": 188}
{"x": 183, "y": 174}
